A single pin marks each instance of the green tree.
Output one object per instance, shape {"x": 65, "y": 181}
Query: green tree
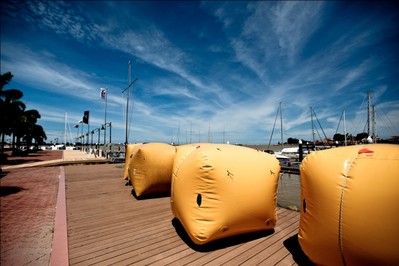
{"x": 361, "y": 136}
{"x": 10, "y": 107}
{"x": 32, "y": 130}
{"x": 38, "y": 135}
{"x": 292, "y": 141}
{"x": 339, "y": 137}
{"x": 15, "y": 119}
{"x": 24, "y": 127}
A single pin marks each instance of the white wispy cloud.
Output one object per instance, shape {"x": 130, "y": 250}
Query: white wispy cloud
{"x": 152, "y": 47}
{"x": 293, "y": 23}
{"x": 267, "y": 54}
{"x": 54, "y": 76}
{"x": 59, "y": 17}
{"x": 175, "y": 91}
{"x": 352, "y": 75}
{"x": 147, "y": 43}
{"x": 272, "y": 31}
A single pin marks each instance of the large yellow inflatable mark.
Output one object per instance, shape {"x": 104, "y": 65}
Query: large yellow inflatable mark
{"x": 131, "y": 149}
{"x": 350, "y": 211}
{"x": 150, "y": 169}
{"x": 182, "y": 152}
{"x": 223, "y": 190}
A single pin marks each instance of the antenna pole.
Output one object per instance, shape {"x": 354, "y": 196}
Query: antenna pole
{"x": 281, "y": 125}
{"x": 224, "y": 132}
{"x": 374, "y": 134}
{"x": 105, "y": 119}
{"x": 311, "y": 120}
{"x": 345, "y": 128}
{"x": 368, "y": 113}
{"x": 127, "y": 104}
{"x": 65, "y": 128}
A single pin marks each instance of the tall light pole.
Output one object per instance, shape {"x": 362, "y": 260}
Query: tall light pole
{"x": 110, "y": 132}
{"x": 368, "y": 113}
{"x": 92, "y": 133}
{"x": 281, "y": 126}
{"x": 311, "y": 121}
{"x": 104, "y": 127}
{"x": 103, "y": 95}
{"x": 127, "y": 104}
{"x": 98, "y": 141}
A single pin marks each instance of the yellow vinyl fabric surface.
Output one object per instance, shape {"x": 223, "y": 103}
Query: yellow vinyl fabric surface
{"x": 221, "y": 190}
{"x": 131, "y": 149}
{"x": 350, "y": 205}
{"x": 182, "y": 152}
{"x": 150, "y": 169}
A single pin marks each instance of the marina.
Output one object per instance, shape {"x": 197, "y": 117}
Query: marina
{"x": 199, "y": 133}
{"x": 107, "y": 225}
{"x": 98, "y": 220}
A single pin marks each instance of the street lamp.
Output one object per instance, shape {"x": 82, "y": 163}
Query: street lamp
{"x": 82, "y": 141}
{"x": 92, "y": 133}
{"x": 98, "y": 141}
{"x": 300, "y": 151}
{"x": 104, "y": 127}
{"x": 103, "y": 95}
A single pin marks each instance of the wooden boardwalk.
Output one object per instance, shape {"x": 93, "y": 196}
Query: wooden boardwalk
{"x": 108, "y": 226}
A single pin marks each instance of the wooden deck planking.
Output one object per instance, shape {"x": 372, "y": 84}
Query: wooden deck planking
{"x": 107, "y": 225}
{"x": 254, "y": 248}
{"x": 229, "y": 254}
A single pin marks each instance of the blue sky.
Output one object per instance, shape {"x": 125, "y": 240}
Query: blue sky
{"x": 207, "y": 71}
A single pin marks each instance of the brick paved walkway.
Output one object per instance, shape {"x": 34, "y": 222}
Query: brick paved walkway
{"x": 28, "y": 198}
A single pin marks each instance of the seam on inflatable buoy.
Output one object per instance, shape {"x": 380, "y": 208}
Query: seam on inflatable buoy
{"x": 174, "y": 173}
{"x": 183, "y": 158}
{"x": 341, "y": 248}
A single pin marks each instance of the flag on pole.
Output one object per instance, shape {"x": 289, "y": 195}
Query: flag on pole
{"x": 103, "y": 93}
{"x": 86, "y": 117}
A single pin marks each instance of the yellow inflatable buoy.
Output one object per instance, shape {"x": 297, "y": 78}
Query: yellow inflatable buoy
{"x": 150, "y": 169}
{"x": 223, "y": 190}
{"x": 350, "y": 210}
{"x": 131, "y": 149}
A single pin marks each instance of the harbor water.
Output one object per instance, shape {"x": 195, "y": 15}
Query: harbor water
{"x": 289, "y": 191}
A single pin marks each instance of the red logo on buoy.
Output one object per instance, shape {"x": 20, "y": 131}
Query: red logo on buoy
{"x": 366, "y": 151}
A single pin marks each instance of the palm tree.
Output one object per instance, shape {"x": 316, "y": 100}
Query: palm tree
{"x": 31, "y": 118}
{"x": 15, "y": 120}
{"x": 10, "y": 107}
{"x": 24, "y": 127}
{"x": 4, "y": 79}
{"x": 38, "y": 135}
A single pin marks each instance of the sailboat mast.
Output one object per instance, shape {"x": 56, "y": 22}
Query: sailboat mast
{"x": 224, "y": 132}
{"x": 345, "y": 129}
{"x": 368, "y": 113}
{"x": 127, "y": 104}
{"x": 65, "y": 127}
{"x": 209, "y": 133}
{"x": 178, "y": 134}
{"x": 105, "y": 119}
{"x": 311, "y": 120}
{"x": 281, "y": 127}
{"x": 191, "y": 130}
{"x": 374, "y": 134}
